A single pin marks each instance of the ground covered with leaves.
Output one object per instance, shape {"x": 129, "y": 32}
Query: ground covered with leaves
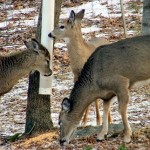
{"x": 50, "y": 140}
{"x": 18, "y": 21}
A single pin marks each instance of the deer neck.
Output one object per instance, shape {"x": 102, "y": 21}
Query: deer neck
{"x": 81, "y": 100}
{"x": 14, "y": 67}
{"x": 76, "y": 43}
{"x": 22, "y": 62}
{"x": 78, "y": 51}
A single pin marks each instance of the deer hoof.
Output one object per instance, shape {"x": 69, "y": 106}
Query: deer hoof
{"x": 98, "y": 140}
{"x": 101, "y": 138}
{"x": 127, "y": 139}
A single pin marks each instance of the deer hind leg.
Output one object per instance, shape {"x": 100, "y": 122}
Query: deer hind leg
{"x": 85, "y": 118}
{"x": 98, "y": 116}
{"x": 110, "y": 120}
{"x": 104, "y": 131}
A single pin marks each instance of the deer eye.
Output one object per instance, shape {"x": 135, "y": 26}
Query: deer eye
{"x": 60, "y": 123}
{"x": 62, "y": 27}
{"x": 47, "y": 61}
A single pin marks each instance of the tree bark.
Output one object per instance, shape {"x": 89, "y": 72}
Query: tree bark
{"x": 146, "y": 18}
{"x": 123, "y": 18}
{"x": 58, "y": 4}
{"x": 38, "y": 112}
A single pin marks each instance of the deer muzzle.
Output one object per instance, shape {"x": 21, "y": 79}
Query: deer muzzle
{"x": 62, "y": 142}
{"x": 51, "y": 35}
{"x": 49, "y": 73}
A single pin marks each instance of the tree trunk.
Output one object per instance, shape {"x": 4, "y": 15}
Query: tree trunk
{"x": 38, "y": 112}
{"x": 57, "y": 11}
{"x": 123, "y": 18}
{"x": 146, "y": 17}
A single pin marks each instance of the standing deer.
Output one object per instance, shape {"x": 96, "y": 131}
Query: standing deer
{"x": 15, "y": 66}
{"x": 79, "y": 50}
{"x": 110, "y": 71}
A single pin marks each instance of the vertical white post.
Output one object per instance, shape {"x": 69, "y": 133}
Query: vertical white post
{"x": 48, "y": 7}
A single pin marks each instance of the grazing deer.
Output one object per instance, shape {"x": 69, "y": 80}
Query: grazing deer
{"x": 15, "y": 66}
{"x": 110, "y": 71}
{"x": 79, "y": 50}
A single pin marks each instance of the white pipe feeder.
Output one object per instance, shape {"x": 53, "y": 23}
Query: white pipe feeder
{"x": 48, "y": 6}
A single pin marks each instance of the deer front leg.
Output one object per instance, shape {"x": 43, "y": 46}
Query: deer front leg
{"x": 85, "y": 118}
{"x": 110, "y": 118}
{"x": 122, "y": 93}
{"x": 98, "y": 116}
{"x": 123, "y": 98}
{"x": 104, "y": 131}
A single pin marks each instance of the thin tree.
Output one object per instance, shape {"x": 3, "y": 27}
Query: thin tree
{"x": 38, "y": 112}
{"x": 146, "y": 17}
{"x": 123, "y": 18}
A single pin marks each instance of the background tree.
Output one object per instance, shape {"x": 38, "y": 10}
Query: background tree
{"x": 38, "y": 112}
{"x": 123, "y": 18}
{"x": 146, "y": 17}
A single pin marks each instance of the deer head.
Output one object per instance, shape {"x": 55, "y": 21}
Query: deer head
{"x": 69, "y": 27}
{"x": 67, "y": 127}
{"x": 42, "y": 60}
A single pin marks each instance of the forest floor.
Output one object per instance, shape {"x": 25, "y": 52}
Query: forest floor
{"x": 17, "y": 23}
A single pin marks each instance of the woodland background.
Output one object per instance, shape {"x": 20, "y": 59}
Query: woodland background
{"x": 18, "y": 22}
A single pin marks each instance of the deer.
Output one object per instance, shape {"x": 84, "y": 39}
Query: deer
{"x": 15, "y": 66}
{"x": 112, "y": 70}
{"x": 78, "y": 50}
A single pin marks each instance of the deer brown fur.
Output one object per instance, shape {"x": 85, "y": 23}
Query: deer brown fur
{"x": 15, "y": 66}
{"x": 79, "y": 50}
{"x": 110, "y": 71}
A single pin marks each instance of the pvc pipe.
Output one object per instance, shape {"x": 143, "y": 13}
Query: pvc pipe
{"x": 48, "y": 6}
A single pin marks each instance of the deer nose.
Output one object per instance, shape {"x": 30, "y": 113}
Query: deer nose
{"x": 49, "y": 73}
{"x": 51, "y": 36}
{"x": 62, "y": 142}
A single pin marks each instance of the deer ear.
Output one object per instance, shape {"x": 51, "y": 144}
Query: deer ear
{"x": 65, "y": 105}
{"x": 39, "y": 48}
{"x": 72, "y": 18}
{"x": 27, "y": 44}
{"x": 80, "y": 15}
{"x": 38, "y": 45}
{"x": 35, "y": 44}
